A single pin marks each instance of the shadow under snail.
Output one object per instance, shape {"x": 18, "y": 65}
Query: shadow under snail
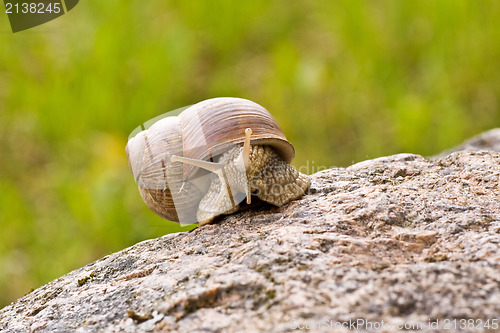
{"x": 204, "y": 162}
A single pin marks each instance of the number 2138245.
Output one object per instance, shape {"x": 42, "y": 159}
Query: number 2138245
{"x": 32, "y": 8}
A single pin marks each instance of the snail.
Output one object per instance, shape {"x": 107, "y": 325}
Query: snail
{"x": 204, "y": 162}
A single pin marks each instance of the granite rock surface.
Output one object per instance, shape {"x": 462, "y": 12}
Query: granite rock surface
{"x": 398, "y": 240}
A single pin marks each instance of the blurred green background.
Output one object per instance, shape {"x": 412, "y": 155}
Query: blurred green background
{"x": 347, "y": 81}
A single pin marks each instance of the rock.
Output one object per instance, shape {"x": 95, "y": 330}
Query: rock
{"x": 398, "y": 240}
{"x": 489, "y": 140}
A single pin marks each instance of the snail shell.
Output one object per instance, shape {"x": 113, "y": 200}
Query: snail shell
{"x": 171, "y": 164}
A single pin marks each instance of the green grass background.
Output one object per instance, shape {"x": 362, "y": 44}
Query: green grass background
{"x": 347, "y": 81}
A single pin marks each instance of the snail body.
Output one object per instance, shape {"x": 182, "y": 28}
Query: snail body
{"x": 205, "y": 161}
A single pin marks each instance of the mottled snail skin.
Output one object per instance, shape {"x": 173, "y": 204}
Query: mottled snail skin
{"x": 248, "y": 151}
{"x": 268, "y": 176}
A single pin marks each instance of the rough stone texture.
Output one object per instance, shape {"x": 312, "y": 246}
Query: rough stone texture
{"x": 399, "y": 239}
{"x": 489, "y": 140}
